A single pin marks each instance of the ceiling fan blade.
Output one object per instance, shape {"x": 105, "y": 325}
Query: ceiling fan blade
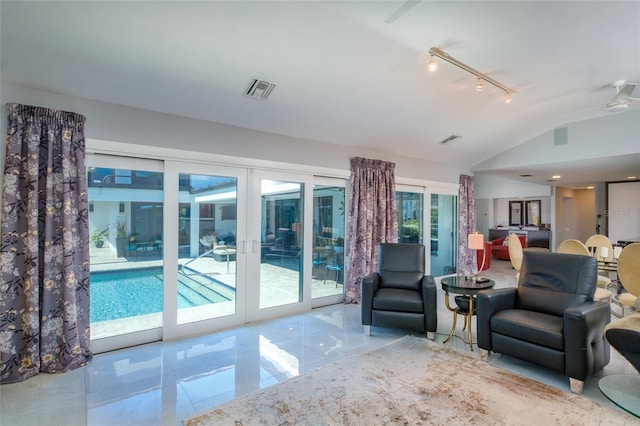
{"x": 406, "y": 6}
{"x": 623, "y": 95}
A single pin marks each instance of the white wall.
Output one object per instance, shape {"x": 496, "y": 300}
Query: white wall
{"x": 585, "y": 141}
{"x": 484, "y": 216}
{"x": 501, "y": 210}
{"x": 493, "y": 194}
{"x": 487, "y": 186}
{"x": 623, "y": 212}
{"x": 585, "y": 219}
{"x": 117, "y": 123}
{"x": 575, "y": 214}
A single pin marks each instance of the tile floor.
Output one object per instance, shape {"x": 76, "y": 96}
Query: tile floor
{"x": 164, "y": 382}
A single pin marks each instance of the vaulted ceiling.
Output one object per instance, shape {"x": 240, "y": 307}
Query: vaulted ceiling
{"x": 347, "y": 72}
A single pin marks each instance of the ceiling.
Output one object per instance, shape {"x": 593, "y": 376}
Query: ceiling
{"x": 343, "y": 74}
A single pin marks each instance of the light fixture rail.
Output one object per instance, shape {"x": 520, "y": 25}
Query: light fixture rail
{"x": 434, "y": 51}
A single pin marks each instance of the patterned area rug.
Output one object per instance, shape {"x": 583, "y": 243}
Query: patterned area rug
{"x": 411, "y": 381}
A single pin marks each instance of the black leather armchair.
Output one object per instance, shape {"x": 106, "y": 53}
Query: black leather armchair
{"x": 400, "y": 295}
{"x": 550, "y": 319}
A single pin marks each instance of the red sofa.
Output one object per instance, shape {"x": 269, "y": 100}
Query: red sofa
{"x": 500, "y": 251}
{"x": 487, "y": 259}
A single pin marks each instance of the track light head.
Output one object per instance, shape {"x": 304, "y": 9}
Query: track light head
{"x": 433, "y": 65}
{"x": 507, "y": 97}
{"x": 479, "y": 85}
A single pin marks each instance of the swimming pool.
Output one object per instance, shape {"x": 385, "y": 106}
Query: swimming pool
{"x": 127, "y": 293}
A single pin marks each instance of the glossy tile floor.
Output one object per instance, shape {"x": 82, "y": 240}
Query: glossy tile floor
{"x": 164, "y": 382}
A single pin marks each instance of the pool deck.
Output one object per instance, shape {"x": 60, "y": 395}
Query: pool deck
{"x": 279, "y": 285}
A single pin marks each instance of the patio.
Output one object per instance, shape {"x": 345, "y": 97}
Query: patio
{"x": 279, "y": 276}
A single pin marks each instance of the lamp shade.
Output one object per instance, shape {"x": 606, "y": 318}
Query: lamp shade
{"x": 475, "y": 241}
{"x": 616, "y": 252}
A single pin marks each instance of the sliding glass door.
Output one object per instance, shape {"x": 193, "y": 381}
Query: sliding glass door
{"x": 410, "y": 205}
{"x": 206, "y": 237}
{"x": 126, "y": 213}
{"x": 444, "y": 230}
{"x": 183, "y": 248}
{"x": 207, "y": 246}
{"x": 276, "y": 219}
{"x": 328, "y": 239}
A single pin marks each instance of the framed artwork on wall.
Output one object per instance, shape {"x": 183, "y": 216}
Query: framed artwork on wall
{"x": 532, "y": 213}
{"x": 515, "y": 213}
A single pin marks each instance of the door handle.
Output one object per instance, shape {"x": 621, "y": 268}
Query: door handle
{"x": 255, "y": 246}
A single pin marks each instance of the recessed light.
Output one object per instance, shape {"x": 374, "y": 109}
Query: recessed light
{"x": 589, "y": 187}
{"x": 631, "y": 177}
{"x": 556, "y": 177}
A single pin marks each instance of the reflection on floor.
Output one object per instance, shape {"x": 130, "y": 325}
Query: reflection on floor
{"x": 163, "y": 382}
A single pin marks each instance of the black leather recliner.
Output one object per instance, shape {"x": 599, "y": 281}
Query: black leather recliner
{"x": 400, "y": 295}
{"x": 550, "y": 319}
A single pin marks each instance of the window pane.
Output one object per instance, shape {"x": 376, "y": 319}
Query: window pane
{"x": 125, "y": 220}
{"x": 281, "y": 243}
{"x": 328, "y": 240}
{"x": 207, "y": 230}
{"x": 444, "y": 219}
{"x": 410, "y": 208}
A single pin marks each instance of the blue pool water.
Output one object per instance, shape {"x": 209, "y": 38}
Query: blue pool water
{"x": 128, "y": 293}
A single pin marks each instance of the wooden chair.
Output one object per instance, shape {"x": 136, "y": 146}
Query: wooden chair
{"x": 577, "y": 247}
{"x": 515, "y": 252}
{"x": 624, "y": 334}
{"x": 597, "y": 242}
{"x": 629, "y": 275}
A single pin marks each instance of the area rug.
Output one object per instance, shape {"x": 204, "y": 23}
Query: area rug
{"x": 411, "y": 381}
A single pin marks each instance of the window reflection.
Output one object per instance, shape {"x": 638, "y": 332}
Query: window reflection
{"x": 328, "y": 240}
{"x": 410, "y": 214}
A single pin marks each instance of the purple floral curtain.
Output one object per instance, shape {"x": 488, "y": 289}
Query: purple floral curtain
{"x": 467, "y": 263}
{"x": 44, "y": 251}
{"x": 372, "y": 220}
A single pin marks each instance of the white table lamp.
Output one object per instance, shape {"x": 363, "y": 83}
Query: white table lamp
{"x": 616, "y": 252}
{"x": 475, "y": 241}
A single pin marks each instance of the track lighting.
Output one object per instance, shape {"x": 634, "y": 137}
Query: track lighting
{"x": 433, "y": 65}
{"x": 481, "y": 78}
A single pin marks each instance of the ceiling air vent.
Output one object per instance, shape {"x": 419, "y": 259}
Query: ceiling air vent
{"x": 450, "y": 139}
{"x": 260, "y": 89}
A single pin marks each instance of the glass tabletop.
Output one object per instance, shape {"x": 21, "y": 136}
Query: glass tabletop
{"x": 622, "y": 390}
{"x": 461, "y": 284}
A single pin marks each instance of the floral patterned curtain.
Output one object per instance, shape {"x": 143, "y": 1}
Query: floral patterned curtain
{"x": 467, "y": 263}
{"x": 373, "y": 219}
{"x": 44, "y": 251}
